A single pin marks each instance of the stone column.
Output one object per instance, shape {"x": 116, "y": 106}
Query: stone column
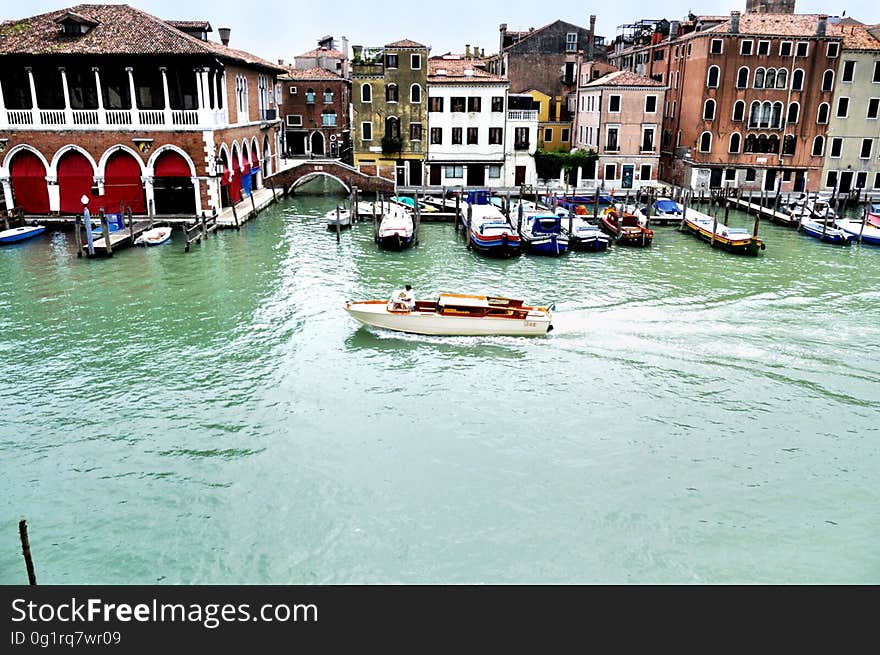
{"x": 149, "y": 192}
{"x": 102, "y": 116}
{"x": 7, "y": 192}
{"x": 166, "y": 95}
{"x": 68, "y": 112}
{"x": 54, "y": 193}
{"x": 135, "y": 118}
{"x": 198, "y": 191}
{"x": 225, "y": 100}
{"x": 220, "y": 101}
{"x": 35, "y": 113}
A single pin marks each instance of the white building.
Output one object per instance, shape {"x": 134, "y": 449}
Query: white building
{"x": 471, "y": 140}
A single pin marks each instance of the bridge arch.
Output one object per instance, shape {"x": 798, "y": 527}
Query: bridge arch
{"x": 315, "y": 174}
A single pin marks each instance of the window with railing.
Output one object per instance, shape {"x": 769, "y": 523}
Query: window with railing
{"x": 310, "y": 96}
{"x": 328, "y": 119}
{"x": 611, "y": 140}
{"x": 328, "y": 97}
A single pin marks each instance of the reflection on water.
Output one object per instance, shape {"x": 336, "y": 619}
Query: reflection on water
{"x": 217, "y": 417}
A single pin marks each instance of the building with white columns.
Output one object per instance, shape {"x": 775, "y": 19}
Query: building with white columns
{"x": 110, "y": 102}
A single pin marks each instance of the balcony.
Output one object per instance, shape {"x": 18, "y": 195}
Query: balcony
{"x": 91, "y": 119}
{"x": 521, "y": 145}
{"x": 268, "y": 114}
{"x": 522, "y": 115}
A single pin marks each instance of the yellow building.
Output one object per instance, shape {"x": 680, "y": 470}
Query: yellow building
{"x": 554, "y": 135}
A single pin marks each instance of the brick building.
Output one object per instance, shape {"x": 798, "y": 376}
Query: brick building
{"x": 314, "y": 108}
{"x": 110, "y": 102}
{"x": 389, "y": 110}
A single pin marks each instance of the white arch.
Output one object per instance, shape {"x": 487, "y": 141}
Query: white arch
{"x": 707, "y": 114}
{"x": 739, "y": 79}
{"x": 738, "y": 143}
{"x": 717, "y": 77}
{"x": 323, "y": 141}
{"x": 16, "y": 149}
{"x": 739, "y": 103}
{"x": 245, "y": 147}
{"x": 224, "y": 148}
{"x": 412, "y": 88}
{"x": 151, "y": 164}
{"x": 700, "y": 144}
{"x": 63, "y": 150}
{"x": 313, "y": 175}
{"x": 112, "y": 150}
{"x": 235, "y": 154}
{"x": 255, "y": 148}
{"x": 369, "y": 89}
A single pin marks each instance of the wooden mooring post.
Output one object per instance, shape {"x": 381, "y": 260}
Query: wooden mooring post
{"x": 418, "y": 217}
{"x": 26, "y": 551}
{"x": 864, "y": 220}
{"x": 77, "y": 236}
{"x": 105, "y": 229}
{"x": 253, "y": 204}
{"x": 457, "y": 211}
{"x": 235, "y": 217}
{"x": 375, "y": 225}
{"x": 338, "y": 225}
{"x": 467, "y": 234}
{"x": 596, "y": 204}
{"x": 684, "y": 209}
{"x": 355, "y": 203}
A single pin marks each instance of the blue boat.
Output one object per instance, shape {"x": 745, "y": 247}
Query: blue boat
{"x": 666, "y": 211}
{"x": 542, "y": 234}
{"x": 571, "y": 203}
{"x": 826, "y": 233}
{"x": 583, "y": 236}
{"x": 17, "y": 234}
{"x": 869, "y": 233}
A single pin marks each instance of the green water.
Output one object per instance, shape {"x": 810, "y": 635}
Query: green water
{"x": 215, "y": 417}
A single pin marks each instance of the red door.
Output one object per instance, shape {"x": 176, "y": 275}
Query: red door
{"x": 29, "y": 183}
{"x": 75, "y": 179}
{"x": 122, "y": 183}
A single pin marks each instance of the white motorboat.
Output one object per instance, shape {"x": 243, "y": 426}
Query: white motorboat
{"x": 339, "y": 215}
{"x": 154, "y": 237}
{"x": 396, "y": 229}
{"x": 16, "y": 234}
{"x": 454, "y": 314}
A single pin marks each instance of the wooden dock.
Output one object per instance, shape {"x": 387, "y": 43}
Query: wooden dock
{"x": 781, "y": 218}
{"x": 119, "y": 239}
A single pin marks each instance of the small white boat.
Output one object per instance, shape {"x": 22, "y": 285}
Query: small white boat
{"x": 154, "y": 237}
{"x": 396, "y": 229}
{"x": 17, "y": 234}
{"x": 454, "y": 314}
{"x": 343, "y": 218}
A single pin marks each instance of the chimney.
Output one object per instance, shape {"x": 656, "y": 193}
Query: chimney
{"x": 224, "y": 35}
{"x": 467, "y": 50}
{"x": 592, "y": 36}
{"x": 734, "y": 22}
{"x": 482, "y": 52}
{"x": 345, "y": 70}
{"x": 822, "y": 25}
{"x": 673, "y": 30}
{"x": 503, "y": 32}
{"x": 281, "y": 62}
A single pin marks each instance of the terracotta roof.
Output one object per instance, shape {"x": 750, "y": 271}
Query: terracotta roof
{"x": 455, "y": 67}
{"x": 119, "y": 30}
{"x": 526, "y": 35}
{"x": 323, "y": 52}
{"x": 311, "y": 74}
{"x": 770, "y": 25}
{"x": 624, "y": 78}
{"x": 404, "y": 43}
{"x": 202, "y": 25}
{"x": 856, "y": 35}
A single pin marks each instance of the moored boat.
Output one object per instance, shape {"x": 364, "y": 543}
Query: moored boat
{"x": 627, "y": 229}
{"x": 665, "y": 211}
{"x": 583, "y": 236}
{"x": 454, "y": 314}
{"x": 411, "y": 203}
{"x": 542, "y": 234}
{"x": 825, "y": 232}
{"x": 870, "y": 234}
{"x": 396, "y": 229}
{"x": 735, "y": 240}
{"x": 343, "y": 217}
{"x": 489, "y": 232}
{"x": 16, "y": 234}
{"x": 154, "y": 237}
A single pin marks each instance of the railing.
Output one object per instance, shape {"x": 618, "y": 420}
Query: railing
{"x": 310, "y": 98}
{"x": 522, "y": 115}
{"x": 52, "y": 117}
{"x": 521, "y": 145}
{"x": 85, "y": 116}
{"x": 151, "y": 117}
{"x": 20, "y": 116}
{"x": 328, "y": 98}
{"x": 184, "y": 117}
{"x": 118, "y": 116}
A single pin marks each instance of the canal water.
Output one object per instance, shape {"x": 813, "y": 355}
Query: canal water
{"x": 216, "y": 417}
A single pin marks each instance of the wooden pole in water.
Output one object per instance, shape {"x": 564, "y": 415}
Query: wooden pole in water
{"x": 684, "y": 209}
{"x": 130, "y": 224}
{"x": 727, "y": 212}
{"x": 757, "y": 224}
{"x": 418, "y": 216}
{"x": 375, "y": 224}
{"x": 77, "y": 237}
{"x": 519, "y": 217}
{"x": 649, "y": 207}
{"x": 470, "y": 214}
{"x": 204, "y": 225}
{"x": 253, "y": 204}
{"x": 457, "y": 211}
{"x": 235, "y": 217}
{"x": 338, "y": 226}
{"x": 355, "y": 203}
{"x": 105, "y": 227}
{"x": 864, "y": 220}
{"x": 596, "y": 204}
{"x": 26, "y": 551}
{"x": 714, "y": 229}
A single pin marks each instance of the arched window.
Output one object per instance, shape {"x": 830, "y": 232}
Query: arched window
{"x": 739, "y": 110}
{"x": 713, "y": 76}
{"x": 742, "y": 78}
{"x": 392, "y": 127}
{"x": 328, "y": 96}
{"x": 367, "y": 93}
{"x": 776, "y": 116}
{"x": 709, "y": 110}
{"x": 762, "y": 143}
{"x": 706, "y": 142}
{"x": 822, "y": 114}
{"x": 794, "y": 112}
{"x": 391, "y": 93}
{"x": 818, "y": 146}
{"x": 781, "y": 78}
{"x": 789, "y": 143}
{"x": 310, "y": 96}
{"x": 797, "y": 80}
{"x": 770, "y": 78}
{"x": 773, "y": 144}
{"x": 751, "y": 143}
{"x": 755, "y": 114}
{"x": 415, "y": 93}
{"x": 828, "y": 80}
{"x": 766, "y": 113}
{"x": 735, "y": 141}
{"x": 759, "y": 78}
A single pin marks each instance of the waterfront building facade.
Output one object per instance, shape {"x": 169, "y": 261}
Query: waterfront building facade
{"x": 852, "y": 146}
{"x": 118, "y": 105}
{"x": 389, "y": 110}
{"x": 314, "y": 109}
{"x": 619, "y": 116}
{"x": 554, "y": 126}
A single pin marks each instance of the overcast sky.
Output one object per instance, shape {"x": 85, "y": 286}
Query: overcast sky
{"x": 276, "y": 29}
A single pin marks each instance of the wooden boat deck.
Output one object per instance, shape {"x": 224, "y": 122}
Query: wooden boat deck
{"x": 119, "y": 240}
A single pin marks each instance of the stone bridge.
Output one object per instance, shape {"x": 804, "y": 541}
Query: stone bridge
{"x": 289, "y": 179}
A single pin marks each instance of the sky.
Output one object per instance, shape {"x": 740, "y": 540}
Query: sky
{"x": 279, "y": 29}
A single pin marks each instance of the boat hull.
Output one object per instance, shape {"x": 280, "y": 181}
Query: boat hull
{"x": 430, "y": 323}
{"x": 395, "y": 242}
{"x": 589, "y": 244}
{"x": 550, "y": 246}
{"x": 17, "y": 234}
{"x": 502, "y": 246}
{"x": 828, "y": 235}
{"x": 869, "y": 234}
{"x": 751, "y": 246}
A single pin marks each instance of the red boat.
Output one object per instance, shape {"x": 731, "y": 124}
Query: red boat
{"x": 626, "y": 230}
{"x": 874, "y": 219}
